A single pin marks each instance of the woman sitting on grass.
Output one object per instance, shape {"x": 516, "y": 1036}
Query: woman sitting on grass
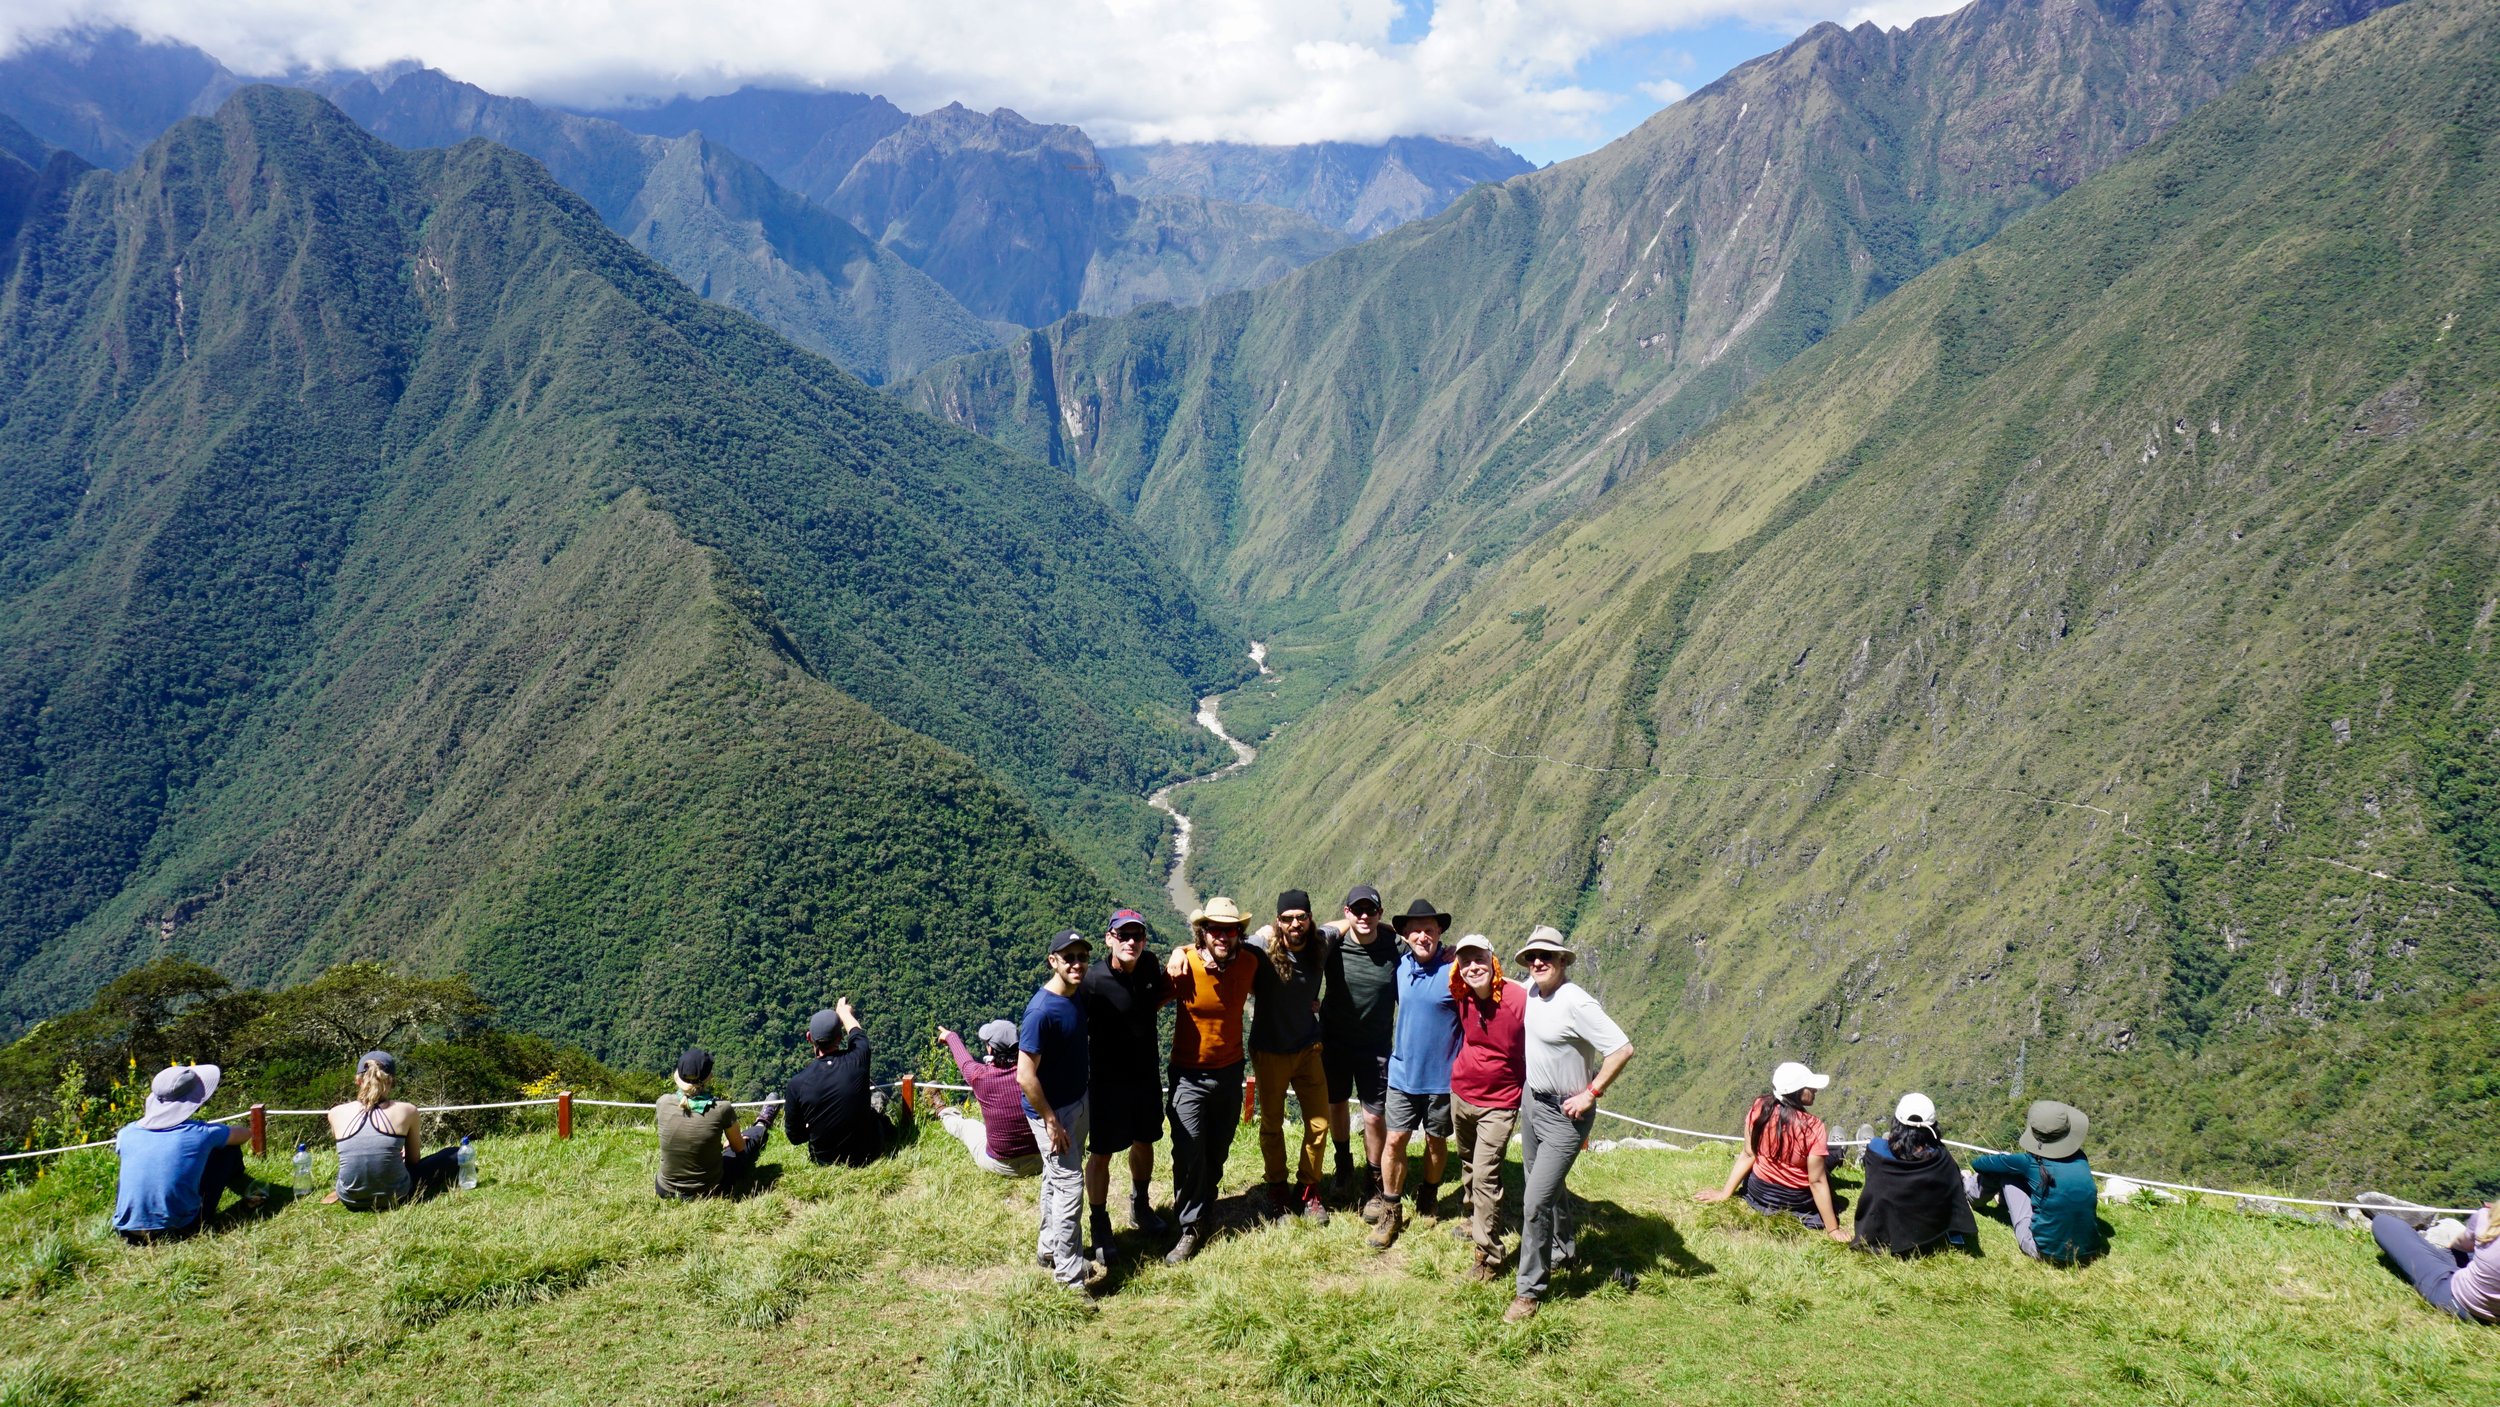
{"x": 1785, "y": 1166}
{"x": 694, "y": 1122}
{"x": 2464, "y": 1281}
{"x": 379, "y": 1160}
{"x": 2050, "y": 1198}
{"x": 1914, "y": 1200}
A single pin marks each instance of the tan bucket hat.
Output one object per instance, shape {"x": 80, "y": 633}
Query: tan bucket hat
{"x": 1219, "y": 910}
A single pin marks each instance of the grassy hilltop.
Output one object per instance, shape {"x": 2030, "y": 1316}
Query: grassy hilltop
{"x": 561, "y": 1279}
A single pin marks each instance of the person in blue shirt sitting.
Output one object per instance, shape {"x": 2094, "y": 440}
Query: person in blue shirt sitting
{"x": 175, "y": 1168}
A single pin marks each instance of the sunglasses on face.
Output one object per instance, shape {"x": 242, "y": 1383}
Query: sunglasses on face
{"x": 1129, "y": 935}
{"x": 1365, "y": 911}
{"x": 1540, "y": 960}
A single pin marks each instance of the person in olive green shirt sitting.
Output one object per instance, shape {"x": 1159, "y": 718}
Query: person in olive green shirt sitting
{"x": 2048, "y": 1191}
{"x": 694, "y": 1124}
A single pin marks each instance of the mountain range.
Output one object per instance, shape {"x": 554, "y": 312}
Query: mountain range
{"x": 2072, "y": 678}
{"x": 397, "y": 563}
{"x": 1367, "y": 435}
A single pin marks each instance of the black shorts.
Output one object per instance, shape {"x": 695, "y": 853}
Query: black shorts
{"x": 1123, "y": 1113}
{"x": 1356, "y": 1073}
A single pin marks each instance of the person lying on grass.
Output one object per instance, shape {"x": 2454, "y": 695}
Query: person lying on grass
{"x": 2463, "y": 1280}
{"x": 381, "y": 1162}
{"x": 175, "y": 1169}
{"x": 1913, "y": 1201}
{"x": 694, "y": 1123}
{"x": 1785, "y": 1166}
{"x": 2049, "y": 1195}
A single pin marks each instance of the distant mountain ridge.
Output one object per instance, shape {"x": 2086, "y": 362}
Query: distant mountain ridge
{"x": 1368, "y": 434}
{"x": 1361, "y": 189}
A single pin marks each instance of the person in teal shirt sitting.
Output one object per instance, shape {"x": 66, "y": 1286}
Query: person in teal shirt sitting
{"x": 2047, "y": 1188}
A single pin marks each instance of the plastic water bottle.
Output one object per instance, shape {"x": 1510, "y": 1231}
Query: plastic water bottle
{"x": 468, "y": 1164}
{"x": 303, "y": 1169}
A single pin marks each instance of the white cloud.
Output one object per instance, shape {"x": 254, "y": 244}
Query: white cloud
{"x": 1665, "y": 90}
{"x": 1127, "y": 70}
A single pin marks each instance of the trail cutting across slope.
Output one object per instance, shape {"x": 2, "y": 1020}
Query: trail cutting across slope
{"x": 1176, "y": 884}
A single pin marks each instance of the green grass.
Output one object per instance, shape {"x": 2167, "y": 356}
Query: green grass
{"x": 561, "y": 1279}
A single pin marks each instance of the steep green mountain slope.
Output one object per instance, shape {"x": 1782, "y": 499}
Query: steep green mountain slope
{"x": 1363, "y": 189}
{"x": 1370, "y": 433}
{"x": 398, "y": 563}
{"x": 715, "y": 221}
{"x": 2074, "y": 678}
{"x": 1022, "y": 222}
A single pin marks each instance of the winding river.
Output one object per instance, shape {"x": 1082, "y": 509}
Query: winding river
{"x": 1176, "y": 884}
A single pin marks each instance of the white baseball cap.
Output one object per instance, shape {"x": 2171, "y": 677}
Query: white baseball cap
{"x": 1916, "y": 1110}
{"x": 1792, "y": 1076}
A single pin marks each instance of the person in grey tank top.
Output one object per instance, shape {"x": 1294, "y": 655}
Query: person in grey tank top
{"x": 379, "y": 1162}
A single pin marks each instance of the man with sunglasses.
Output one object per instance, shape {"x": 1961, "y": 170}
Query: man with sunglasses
{"x": 1123, "y": 992}
{"x": 1054, "y": 1068}
{"x": 1574, "y": 1052}
{"x": 1358, "y": 1013}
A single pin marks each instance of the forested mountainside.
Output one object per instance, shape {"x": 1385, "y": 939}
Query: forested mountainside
{"x": 396, "y": 563}
{"x": 2074, "y": 678}
{"x": 1372, "y": 432}
{"x": 1363, "y": 189}
{"x": 713, "y": 219}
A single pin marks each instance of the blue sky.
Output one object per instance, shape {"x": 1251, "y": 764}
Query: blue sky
{"x": 1688, "y": 58}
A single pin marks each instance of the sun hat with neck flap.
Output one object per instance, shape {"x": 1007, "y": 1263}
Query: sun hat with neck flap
{"x": 176, "y": 1094}
{"x": 2053, "y": 1130}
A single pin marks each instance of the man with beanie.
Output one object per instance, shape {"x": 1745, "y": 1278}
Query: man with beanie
{"x": 1285, "y": 1053}
{"x": 1358, "y": 1010}
{"x": 1052, "y": 1065}
{"x": 1124, "y": 992}
{"x": 830, "y": 1108}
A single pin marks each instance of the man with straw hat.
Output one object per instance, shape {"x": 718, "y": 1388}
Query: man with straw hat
{"x": 1211, "y": 983}
{"x": 2049, "y": 1195}
{"x": 175, "y": 1169}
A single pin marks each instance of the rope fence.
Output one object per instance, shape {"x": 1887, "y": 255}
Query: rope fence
{"x": 564, "y": 1102}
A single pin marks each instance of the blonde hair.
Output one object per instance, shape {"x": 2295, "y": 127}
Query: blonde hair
{"x": 683, "y": 1088}
{"x": 373, "y": 1085}
{"x": 2491, "y": 1225}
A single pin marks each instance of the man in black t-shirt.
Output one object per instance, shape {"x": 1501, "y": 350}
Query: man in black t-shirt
{"x": 1358, "y": 1016}
{"x": 1123, "y": 995}
{"x": 828, "y": 1102}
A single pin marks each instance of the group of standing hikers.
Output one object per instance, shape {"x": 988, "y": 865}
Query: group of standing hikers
{"x": 1369, "y": 1017}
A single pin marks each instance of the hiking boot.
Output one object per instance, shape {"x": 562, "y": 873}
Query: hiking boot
{"x": 877, "y": 1101}
{"x": 1105, "y": 1248}
{"x": 772, "y": 1111}
{"x": 1185, "y": 1247}
{"x": 1314, "y": 1207}
{"x": 1141, "y": 1214}
{"x": 1392, "y": 1221}
{"x": 1341, "y": 1182}
{"x": 1486, "y": 1270}
{"x": 1428, "y": 1202}
{"x": 1280, "y": 1201}
{"x": 1097, "y": 1278}
{"x": 2410, "y": 1214}
{"x": 1521, "y": 1310}
{"x": 1376, "y": 1207}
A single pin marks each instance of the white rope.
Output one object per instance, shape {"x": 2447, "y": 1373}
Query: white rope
{"x": 40, "y": 1152}
{"x": 2096, "y": 1172}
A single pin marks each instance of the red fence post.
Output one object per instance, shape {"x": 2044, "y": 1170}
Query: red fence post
{"x": 564, "y": 1113}
{"x": 1249, "y": 1096}
{"x": 910, "y": 1091}
{"x": 260, "y": 1131}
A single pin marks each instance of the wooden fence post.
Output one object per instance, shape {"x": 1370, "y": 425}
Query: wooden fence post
{"x": 260, "y": 1131}
{"x": 1249, "y": 1096}
{"x": 564, "y": 1113}
{"x": 910, "y": 1091}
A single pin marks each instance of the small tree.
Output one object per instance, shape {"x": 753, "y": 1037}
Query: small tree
{"x": 361, "y": 1006}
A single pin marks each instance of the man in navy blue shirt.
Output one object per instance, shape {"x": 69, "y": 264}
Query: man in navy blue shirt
{"x": 1053, "y": 1066}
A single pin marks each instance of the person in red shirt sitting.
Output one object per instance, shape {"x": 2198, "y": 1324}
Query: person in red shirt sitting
{"x": 1485, "y": 1081}
{"x": 1001, "y": 1139}
{"x": 1785, "y": 1168}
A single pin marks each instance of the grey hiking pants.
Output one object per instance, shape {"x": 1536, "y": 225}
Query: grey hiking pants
{"x": 1062, "y": 1239}
{"x": 1205, "y": 1110}
{"x": 1549, "y": 1143}
{"x": 2017, "y": 1195}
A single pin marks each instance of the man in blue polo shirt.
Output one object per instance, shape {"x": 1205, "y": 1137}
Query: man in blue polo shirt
{"x": 1053, "y": 1068}
{"x": 1420, "y": 1055}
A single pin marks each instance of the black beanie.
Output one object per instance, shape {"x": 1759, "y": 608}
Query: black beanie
{"x": 695, "y": 1066}
{"x": 1291, "y": 900}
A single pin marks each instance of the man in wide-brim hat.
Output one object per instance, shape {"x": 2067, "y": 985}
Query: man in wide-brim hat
{"x": 1211, "y": 983}
{"x": 1420, "y": 1055}
{"x": 2049, "y": 1195}
{"x": 174, "y": 1167}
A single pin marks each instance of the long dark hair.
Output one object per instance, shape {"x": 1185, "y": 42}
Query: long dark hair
{"x": 1771, "y": 1111}
{"x": 1912, "y": 1143}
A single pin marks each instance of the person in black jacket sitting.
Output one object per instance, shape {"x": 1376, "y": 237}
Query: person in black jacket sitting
{"x": 829, "y": 1102}
{"x": 1913, "y": 1200}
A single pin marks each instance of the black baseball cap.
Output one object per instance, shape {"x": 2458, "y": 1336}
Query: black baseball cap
{"x": 1363, "y": 893}
{"x": 695, "y": 1066}
{"x": 1066, "y": 937}
{"x": 824, "y": 1026}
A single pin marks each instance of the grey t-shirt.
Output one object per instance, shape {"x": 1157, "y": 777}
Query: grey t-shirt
{"x": 690, "y": 1144}
{"x": 1568, "y": 1035}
